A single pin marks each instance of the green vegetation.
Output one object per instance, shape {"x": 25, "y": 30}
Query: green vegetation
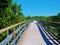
{"x": 51, "y": 23}
{"x": 52, "y": 27}
{"x": 55, "y": 18}
{"x": 11, "y": 13}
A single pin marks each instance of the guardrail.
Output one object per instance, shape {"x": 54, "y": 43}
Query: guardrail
{"x": 12, "y": 38}
{"x": 53, "y": 28}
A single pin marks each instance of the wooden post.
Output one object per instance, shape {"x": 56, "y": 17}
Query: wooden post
{"x": 8, "y": 35}
{"x": 14, "y": 35}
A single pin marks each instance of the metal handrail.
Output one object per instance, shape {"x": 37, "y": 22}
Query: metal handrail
{"x": 16, "y": 34}
{"x": 51, "y": 23}
{"x": 5, "y": 29}
{"x": 46, "y": 34}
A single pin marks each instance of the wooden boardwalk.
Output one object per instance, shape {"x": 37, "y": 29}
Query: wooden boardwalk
{"x": 32, "y": 36}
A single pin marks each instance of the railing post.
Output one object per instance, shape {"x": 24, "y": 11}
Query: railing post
{"x": 8, "y": 35}
{"x": 14, "y": 35}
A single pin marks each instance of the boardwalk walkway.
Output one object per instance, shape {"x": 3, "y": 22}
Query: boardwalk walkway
{"x": 32, "y": 36}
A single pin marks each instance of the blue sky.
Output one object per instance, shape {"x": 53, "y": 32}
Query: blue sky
{"x": 39, "y": 7}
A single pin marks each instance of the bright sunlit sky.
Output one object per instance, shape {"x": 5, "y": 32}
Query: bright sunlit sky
{"x": 39, "y": 7}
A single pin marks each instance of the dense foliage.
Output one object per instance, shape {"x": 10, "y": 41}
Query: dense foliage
{"x": 10, "y": 13}
{"x": 55, "y": 18}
